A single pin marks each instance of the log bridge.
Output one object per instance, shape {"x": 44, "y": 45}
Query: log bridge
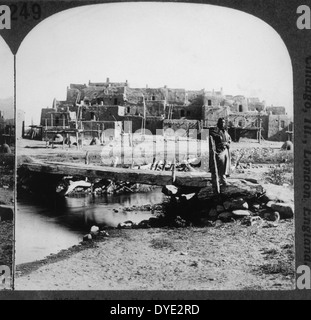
{"x": 197, "y": 179}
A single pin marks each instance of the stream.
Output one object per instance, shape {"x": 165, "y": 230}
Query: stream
{"x": 47, "y": 225}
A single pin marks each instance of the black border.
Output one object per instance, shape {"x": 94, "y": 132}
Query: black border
{"x": 280, "y": 15}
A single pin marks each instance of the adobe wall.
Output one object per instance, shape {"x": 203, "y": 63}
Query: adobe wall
{"x": 103, "y": 113}
{"x": 211, "y": 115}
{"x": 276, "y": 110}
{"x": 277, "y": 127}
{"x": 191, "y": 112}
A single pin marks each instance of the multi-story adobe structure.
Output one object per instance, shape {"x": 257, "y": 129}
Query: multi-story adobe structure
{"x": 7, "y": 130}
{"x": 98, "y": 106}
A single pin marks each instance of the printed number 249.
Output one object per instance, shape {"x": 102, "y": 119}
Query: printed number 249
{"x": 25, "y": 11}
{"x": 4, "y": 277}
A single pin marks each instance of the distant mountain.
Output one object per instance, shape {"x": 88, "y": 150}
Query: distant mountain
{"x": 7, "y": 107}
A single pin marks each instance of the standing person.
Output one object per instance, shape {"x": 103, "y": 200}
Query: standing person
{"x": 222, "y": 141}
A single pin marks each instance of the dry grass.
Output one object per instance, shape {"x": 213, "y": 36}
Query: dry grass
{"x": 263, "y": 156}
{"x": 280, "y": 175}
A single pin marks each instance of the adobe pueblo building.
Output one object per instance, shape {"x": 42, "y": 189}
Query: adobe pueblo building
{"x": 7, "y": 130}
{"x": 91, "y": 109}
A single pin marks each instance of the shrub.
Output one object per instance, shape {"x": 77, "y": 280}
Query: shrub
{"x": 280, "y": 175}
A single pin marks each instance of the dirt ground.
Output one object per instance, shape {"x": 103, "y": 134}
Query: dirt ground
{"x": 229, "y": 256}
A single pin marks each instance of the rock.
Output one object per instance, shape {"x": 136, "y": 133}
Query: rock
{"x": 206, "y": 222}
{"x": 170, "y": 190}
{"x": 104, "y": 233}
{"x": 286, "y": 210}
{"x": 255, "y": 206}
{"x": 269, "y": 204}
{"x": 94, "y": 230}
{"x": 184, "y": 253}
{"x": 125, "y": 225}
{"x": 194, "y": 264}
{"x": 268, "y": 225}
{"x": 251, "y": 221}
{"x": 213, "y": 213}
{"x": 87, "y": 237}
{"x": 241, "y": 213}
{"x": 236, "y": 204}
{"x": 244, "y": 205}
{"x": 187, "y": 197}
{"x": 227, "y": 205}
{"x": 77, "y": 184}
{"x": 220, "y": 209}
{"x": 255, "y": 181}
{"x": 225, "y": 216}
{"x": 6, "y": 213}
{"x": 236, "y": 187}
{"x": 255, "y": 220}
{"x": 272, "y": 216}
{"x": 277, "y": 194}
{"x": 179, "y": 222}
{"x": 246, "y": 221}
{"x": 144, "y": 224}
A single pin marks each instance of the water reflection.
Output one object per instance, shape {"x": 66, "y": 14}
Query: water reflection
{"x": 46, "y": 225}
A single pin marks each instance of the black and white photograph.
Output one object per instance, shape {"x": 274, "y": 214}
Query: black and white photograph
{"x": 7, "y": 161}
{"x": 155, "y": 151}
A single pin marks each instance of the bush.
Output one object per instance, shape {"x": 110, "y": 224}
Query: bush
{"x": 262, "y": 156}
{"x": 280, "y": 175}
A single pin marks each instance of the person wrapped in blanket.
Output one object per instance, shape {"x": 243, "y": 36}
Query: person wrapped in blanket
{"x": 223, "y": 158}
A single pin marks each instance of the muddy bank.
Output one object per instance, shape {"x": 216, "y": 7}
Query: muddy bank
{"x": 229, "y": 257}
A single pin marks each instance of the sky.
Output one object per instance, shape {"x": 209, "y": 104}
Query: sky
{"x": 6, "y": 71}
{"x": 190, "y": 46}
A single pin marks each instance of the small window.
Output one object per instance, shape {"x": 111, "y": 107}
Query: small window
{"x": 182, "y": 113}
{"x": 282, "y": 124}
{"x": 240, "y": 108}
{"x": 209, "y": 102}
{"x": 115, "y": 102}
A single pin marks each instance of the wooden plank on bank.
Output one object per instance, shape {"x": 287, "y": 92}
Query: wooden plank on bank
{"x": 159, "y": 178}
